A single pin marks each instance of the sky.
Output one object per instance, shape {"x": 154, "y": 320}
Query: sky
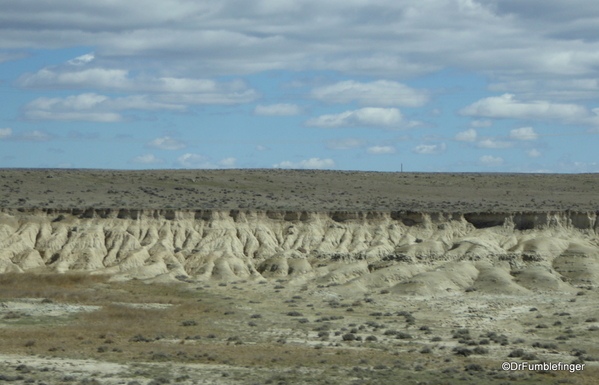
{"x": 371, "y": 85}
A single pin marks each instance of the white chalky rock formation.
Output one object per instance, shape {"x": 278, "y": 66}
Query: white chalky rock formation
{"x": 405, "y": 252}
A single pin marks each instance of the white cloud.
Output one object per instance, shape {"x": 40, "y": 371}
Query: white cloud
{"x": 90, "y": 107}
{"x": 430, "y": 149}
{"x": 466, "y": 136}
{"x": 193, "y": 161}
{"x": 162, "y": 89}
{"x": 109, "y": 79}
{"x": 381, "y": 93}
{"x": 506, "y": 106}
{"x": 104, "y": 117}
{"x": 5, "y": 133}
{"x": 90, "y": 78}
{"x": 381, "y": 150}
{"x": 26, "y": 136}
{"x": 228, "y": 162}
{"x": 166, "y": 143}
{"x": 533, "y": 153}
{"x": 554, "y": 88}
{"x": 33, "y": 136}
{"x": 385, "y": 38}
{"x": 312, "y": 164}
{"x": 494, "y": 143}
{"x": 262, "y": 148}
{"x": 146, "y": 159}
{"x": 490, "y": 161}
{"x": 8, "y": 56}
{"x": 524, "y": 133}
{"x": 435, "y": 112}
{"x": 230, "y": 98}
{"x": 200, "y": 161}
{"x": 282, "y": 109}
{"x": 481, "y": 123}
{"x": 346, "y": 143}
{"x": 81, "y": 60}
{"x": 368, "y": 117}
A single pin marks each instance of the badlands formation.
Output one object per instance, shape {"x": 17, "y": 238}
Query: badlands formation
{"x": 406, "y": 252}
{"x": 392, "y": 277}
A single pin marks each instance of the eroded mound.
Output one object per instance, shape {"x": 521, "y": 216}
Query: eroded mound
{"x": 409, "y": 253}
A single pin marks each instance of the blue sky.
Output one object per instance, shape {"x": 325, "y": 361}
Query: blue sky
{"x": 435, "y": 85}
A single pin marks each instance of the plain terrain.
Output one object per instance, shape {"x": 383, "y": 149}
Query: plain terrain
{"x": 273, "y": 333}
{"x": 297, "y": 190}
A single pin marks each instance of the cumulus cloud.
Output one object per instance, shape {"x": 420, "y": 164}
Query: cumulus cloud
{"x": 494, "y": 143}
{"x": 262, "y": 148}
{"x": 387, "y": 39}
{"x": 166, "y": 143}
{"x": 430, "y": 149}
{"x": 490, "y": 161}
{"x": 5, "y": 133}
{"x": 312, "y": 164}
{"x": 555, "y": 89}
{"x": 8, "y": 56}
{"x": 228, "y": 162}
{"x": 33, "y": 136}
{"x": 381, "y": 93}
{"x": 507, "y": 106}
{"x": 481, "y": 123}
{"x": 346, "y": 143}
{"x": 25, "y": 136}
{"x": 524, "y": 133}
{"x": 240, "y": 97}
{"x": 381, "y": 150}
{"x": 90, "y": 107}
{"x": 192, "y": 161}
{"x": 146, "y": 159}
{"x": 533, "y": 153}
{"x": 366, "y": 117}
{"x": 90, "y": 78}
{"x": 175, "y": 90}
{"x": 200, "y": 161}
{"x": 466, "y": 136}
{"x": 81, "y": 60}
{"x": 282, "y": 109}
{"x": 110, "y": 79}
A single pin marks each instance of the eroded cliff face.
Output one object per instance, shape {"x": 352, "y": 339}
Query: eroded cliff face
{"x": 407, "y": 252}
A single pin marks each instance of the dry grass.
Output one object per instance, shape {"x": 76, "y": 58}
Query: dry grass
{"x": 44, "y": 281}
{"x": 64, "y": 287}
{"x": 86, "y": 289}
{"x": 107, "y": 334}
